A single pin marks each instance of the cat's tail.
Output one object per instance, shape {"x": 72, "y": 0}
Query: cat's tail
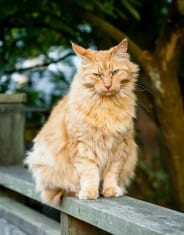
{"x": 52, "y": 196}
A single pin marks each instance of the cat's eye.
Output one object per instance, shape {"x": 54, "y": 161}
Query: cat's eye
{"x": 115, "y": 72}
{"x": 97, "y": 75}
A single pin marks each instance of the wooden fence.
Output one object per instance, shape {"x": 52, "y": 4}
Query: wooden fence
{"x": 120, "y": 216}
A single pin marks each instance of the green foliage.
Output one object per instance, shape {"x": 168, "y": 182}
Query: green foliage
{"x": 28, "y": 30}
{"x": 130, "y": 9}
{"x": 157, "y": 183}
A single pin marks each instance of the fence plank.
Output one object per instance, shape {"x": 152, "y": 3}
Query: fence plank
{"x": 11, "y": 128}
{"x": 13, "y": 98}
{"x": 119, "y": 216}
{"x": 73, "y": 226}
{"x": 27, "y": 220}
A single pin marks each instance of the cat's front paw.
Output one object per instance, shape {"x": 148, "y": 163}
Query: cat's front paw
{"x": 87, "y": 194}
{"x": 113, "y": 191}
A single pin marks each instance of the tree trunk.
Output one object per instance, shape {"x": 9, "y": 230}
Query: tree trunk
{"x": 170, "y": 112}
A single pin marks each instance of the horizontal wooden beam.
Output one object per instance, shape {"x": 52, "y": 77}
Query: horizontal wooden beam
{"x": 24, "y": 220}
{"x": 117, "y": 215}
{"x": 13, "y": 98}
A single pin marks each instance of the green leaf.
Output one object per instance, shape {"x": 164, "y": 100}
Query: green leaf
{"x": 131, "y": 9}
{"x": 88, "y": 5}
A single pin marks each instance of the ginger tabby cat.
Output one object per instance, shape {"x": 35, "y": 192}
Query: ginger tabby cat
{"x": 87, "y": 147}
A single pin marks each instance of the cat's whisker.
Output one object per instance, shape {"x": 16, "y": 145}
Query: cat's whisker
{"x": 139, "y": 86}
{"x": 139, "y": 89}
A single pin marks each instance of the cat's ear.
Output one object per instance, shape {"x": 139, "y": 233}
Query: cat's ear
{"x": 82, "y": 52}
{"x": 78, "y": 49}
{"x": 120, "y": 50}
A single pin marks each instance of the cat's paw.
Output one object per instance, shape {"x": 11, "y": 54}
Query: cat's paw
{"x": 113, "y": 191}
{"x": 87, "y": 194}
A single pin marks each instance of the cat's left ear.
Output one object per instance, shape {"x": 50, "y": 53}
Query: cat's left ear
{"x": 82, "y": 52}
{"x": 120, "y": 50}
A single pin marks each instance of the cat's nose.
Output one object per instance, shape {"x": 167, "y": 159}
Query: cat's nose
{"x": 107, "y": 86}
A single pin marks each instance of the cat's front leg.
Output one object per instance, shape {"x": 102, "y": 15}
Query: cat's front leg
{"x": 89, "y": 178}
{"x": 111, "y": 181}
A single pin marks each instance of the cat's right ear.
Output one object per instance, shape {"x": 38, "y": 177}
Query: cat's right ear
{"x": 78, "y": 49}
{"x": 81, "y": 52}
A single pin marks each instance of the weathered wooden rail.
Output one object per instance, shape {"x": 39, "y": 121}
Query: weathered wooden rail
{"x": 119, "y": 216}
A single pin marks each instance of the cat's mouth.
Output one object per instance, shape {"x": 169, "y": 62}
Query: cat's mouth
{"x": 111, "y": 91}
{"x": 108, "y": 92}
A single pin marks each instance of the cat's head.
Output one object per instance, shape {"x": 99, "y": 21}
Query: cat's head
{"x": 106, "y": 72}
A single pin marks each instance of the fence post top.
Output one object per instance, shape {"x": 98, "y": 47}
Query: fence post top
{"x": 13, "y": 98}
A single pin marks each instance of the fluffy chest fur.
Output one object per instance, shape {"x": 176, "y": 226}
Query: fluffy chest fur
{"x": 108, "y": 115}
{"x": 100, "y": 127}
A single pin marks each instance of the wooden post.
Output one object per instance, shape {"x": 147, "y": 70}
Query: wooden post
{"x": 73, "y": 226}
{"x": 12, "y": 128}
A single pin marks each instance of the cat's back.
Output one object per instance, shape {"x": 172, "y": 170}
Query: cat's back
{"x": 60, "y": 109}
{"x": 56, "y": 120}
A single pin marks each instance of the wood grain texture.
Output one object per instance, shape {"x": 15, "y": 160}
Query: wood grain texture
{"x": 11, "y": 134}
{"x": 73, "y": 226}
{"x": 13, "y": 98}
{"x": 120, "y": 216}
{"x": 11, "y": 128}
{"x": 27, "y": 220}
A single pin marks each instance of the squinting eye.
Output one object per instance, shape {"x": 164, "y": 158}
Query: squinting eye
{"x": 97, "y": 74}
{"x": 115, "y": 72}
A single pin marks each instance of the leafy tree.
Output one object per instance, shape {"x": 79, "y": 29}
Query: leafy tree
{"x": 155, "y": 31}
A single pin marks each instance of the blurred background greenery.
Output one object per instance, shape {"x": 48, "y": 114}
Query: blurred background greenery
{"x": 36, "y": 58}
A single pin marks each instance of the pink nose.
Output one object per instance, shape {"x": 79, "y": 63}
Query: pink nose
{"x": 108, "y": 86}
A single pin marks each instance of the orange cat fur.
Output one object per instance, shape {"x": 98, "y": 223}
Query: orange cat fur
{"x": 87, "y": 147}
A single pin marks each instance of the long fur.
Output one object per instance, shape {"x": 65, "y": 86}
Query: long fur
{"x": 87, "y": 147}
